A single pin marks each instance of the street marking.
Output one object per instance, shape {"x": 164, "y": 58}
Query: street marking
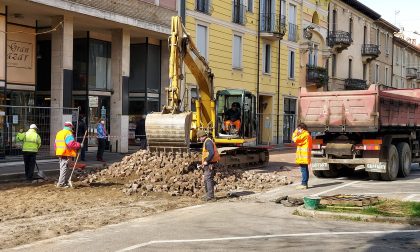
{"x": 409, "y": 197}
{"x": 145, "y": 244}
{"x": 335, "y": 188}
{"x": 383, "y": 193}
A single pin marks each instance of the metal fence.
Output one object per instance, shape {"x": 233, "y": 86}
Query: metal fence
{"x": 18, "y": 118}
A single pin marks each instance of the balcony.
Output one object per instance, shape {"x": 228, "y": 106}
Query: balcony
{"x": 271, "y": 26}
{"x": 316, "y": 76}
{"x": 355, "y": 84}
{"x": 203, "y": 6}
{"x": 411, "y": 73}
{"x": 370, "y": 52}
{"x": 339, "y": 40}
{"x": 238, "y": 13}
{"x": 293, "y": 30}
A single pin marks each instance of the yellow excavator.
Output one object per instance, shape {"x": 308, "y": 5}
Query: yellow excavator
{"x": 173, "y": 129}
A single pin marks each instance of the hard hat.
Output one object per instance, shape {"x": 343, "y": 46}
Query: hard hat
{"x": 68, "y": 124}
{"x": 33, "y": 126}
{"x": 201, "y": 133}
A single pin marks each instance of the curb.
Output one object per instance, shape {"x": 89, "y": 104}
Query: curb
{"x": 302, "y": 211}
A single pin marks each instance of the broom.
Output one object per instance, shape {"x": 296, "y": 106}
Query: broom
{"x": 77, "y": 158}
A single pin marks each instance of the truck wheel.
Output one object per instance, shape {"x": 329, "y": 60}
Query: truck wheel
{"x": 374, "y": 175}
{"x": 392, "y": 164}
{"x": 404, "y": 152}
{"x": 332, "y": 172}
{"x": 318, "y": 174}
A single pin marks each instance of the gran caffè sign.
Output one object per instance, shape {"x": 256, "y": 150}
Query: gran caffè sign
{"x": 19, "y": 54}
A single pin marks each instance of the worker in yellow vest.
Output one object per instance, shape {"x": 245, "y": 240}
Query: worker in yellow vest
{"x": 303, "y": 141}
{"x": 31, "y": 143}
{"x": 210, "y": 156}
{"x": 66, "y": 148}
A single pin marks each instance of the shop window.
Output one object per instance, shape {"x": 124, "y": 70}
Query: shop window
{"x": 43, "y": 66}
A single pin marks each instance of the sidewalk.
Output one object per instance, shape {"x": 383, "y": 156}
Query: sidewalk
{"x": 15, "y": 171}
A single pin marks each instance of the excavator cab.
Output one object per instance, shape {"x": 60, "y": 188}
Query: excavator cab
{"x": 235, "y": 114}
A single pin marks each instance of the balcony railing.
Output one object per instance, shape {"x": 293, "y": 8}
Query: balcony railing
{"x": 293, "y": 30}
{"x": 202, "y": 6}
{"x": 370, "y": 50}
{"x": 411, "y": 73}
{"x": 355, "y": 84}
{"x": 339, "y": 40}
{"x": 316, "y": 75}
{"x": 418, "y": 76}
{"x": 271, "y": 23}
{"x": 238, "y": 15}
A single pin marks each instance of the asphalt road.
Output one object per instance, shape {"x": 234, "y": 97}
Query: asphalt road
{"x": 255, "y": 223}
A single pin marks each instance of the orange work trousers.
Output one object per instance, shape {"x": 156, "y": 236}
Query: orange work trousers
{"x": 236, "y": 123}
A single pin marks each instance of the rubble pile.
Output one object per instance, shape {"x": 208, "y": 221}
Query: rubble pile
{"x": 177, "y": 174}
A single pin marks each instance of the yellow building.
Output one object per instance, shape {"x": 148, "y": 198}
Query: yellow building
{"x": 241, "y": 40}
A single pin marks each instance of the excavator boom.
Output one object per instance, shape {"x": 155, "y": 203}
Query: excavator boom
{"x": 171, "y": 127}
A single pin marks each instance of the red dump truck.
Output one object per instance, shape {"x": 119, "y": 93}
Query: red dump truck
{"x": 376, "y": 128}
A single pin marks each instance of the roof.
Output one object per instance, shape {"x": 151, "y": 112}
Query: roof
{"x": 406, "y": 44}
{"x": 387, "y": 25}
{"x": 362, "y": 8}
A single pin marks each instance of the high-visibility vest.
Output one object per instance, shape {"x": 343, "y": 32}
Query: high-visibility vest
{"x": 61, "y": 148}
{"x": 303, "y": 147}
{"x": 205, "y": 153}
{"x": 31, "y": 141}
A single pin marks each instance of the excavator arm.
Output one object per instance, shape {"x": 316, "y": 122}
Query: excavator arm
{"x": 171, "y": 127}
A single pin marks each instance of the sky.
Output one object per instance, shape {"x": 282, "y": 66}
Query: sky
{"x": 407, "y": 14}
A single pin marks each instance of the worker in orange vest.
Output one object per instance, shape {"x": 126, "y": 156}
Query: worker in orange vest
{"x": 210, "y": 157}
{"x": 303, "y": 141}
{"x": 66, "y": 148}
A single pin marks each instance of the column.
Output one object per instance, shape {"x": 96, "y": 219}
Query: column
{"x": 61, "y": 75}
{"x": 120, "y": 71}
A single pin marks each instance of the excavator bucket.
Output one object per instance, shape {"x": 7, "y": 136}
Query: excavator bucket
{"x": 168, "y": 131}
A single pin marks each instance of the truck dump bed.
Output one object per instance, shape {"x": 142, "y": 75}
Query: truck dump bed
{"x": 360, "y": 110}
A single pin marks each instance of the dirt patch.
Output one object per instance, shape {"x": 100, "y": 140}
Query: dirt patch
{"x": 33, "y": 212}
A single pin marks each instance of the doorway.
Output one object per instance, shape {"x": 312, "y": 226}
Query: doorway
{"x": 265, "y": 115}
{"x": 289, "y": 119}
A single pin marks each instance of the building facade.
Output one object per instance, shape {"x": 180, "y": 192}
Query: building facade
{"x": 406, "y": 67}
{"x": 349, "y": 37}
{"x": 241, "y": 39}
{"x": 104, "y": 58}
{"x": 378, "y": 52}
{"x": 315, "y": 52}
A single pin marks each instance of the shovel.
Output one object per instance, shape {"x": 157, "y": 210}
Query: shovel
{"x": 41, "y": 174}
{"x": 77, "y": 159}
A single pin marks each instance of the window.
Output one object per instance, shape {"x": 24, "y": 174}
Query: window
{"x": 386, "y": 75}
{"x": 283, "y": 7}
{"x": 292, "y": 23}
{"x": 397, "y": 50}
{"x": 291, "y": 64}
{"x": 203, "y": 6}
{"x": 202, "y": 39}
{"x": 267, "y": 58}
{"x": 376, "y": 73}
{"x": 350, "y": 68}
{"x": 238, "y": 12}
{"x": 387, "y": 44}
{"x": 334, "y": 65}
{"x": 378, "y": 34}
{"x": 313, "y": 56}
{"x": 334, "y": 26}
{"x": 99, "y": 65}
{"x": 351, "y": 26}
{"x": 364, "y": 71}
{"x": 237, "y": 51}
{"x": 250, "y": 7}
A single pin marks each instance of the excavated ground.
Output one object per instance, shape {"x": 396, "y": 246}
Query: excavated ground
{"x": 139, "y": 185}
